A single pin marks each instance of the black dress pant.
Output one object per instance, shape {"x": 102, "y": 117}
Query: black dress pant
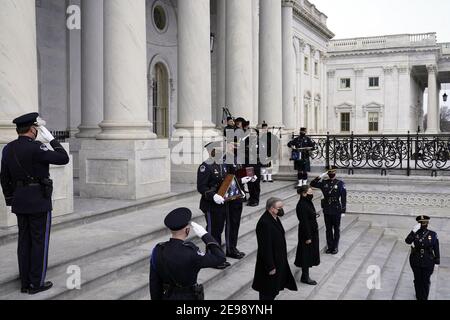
{"x": 32, "y": 250}
{"x": 422, "y": 281}
{"x": 332, "y": 225}
{"x": 254, "y": 188}
{"x": 233, "y": 222}
{"x": 215, "y": 221}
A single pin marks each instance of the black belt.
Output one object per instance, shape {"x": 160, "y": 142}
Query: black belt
{"x": 27, "y": 184}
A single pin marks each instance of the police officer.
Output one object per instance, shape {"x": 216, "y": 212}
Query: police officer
{"x": 333, "y": 205}
{"x": 27, "y": 187}
{"x": 210, "y": 176}
{"x": 424, "y": 255}
{"x": 303, "y": 145}
{"x": 252, "y": 161}
{"x": 230, "y": 127}
{"x": 175, "y": 264}
{"x": 265, "y": 148}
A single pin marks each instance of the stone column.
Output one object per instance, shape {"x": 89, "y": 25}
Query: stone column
{"x": 359, "y": 125}
{"x": 270, "y": 63}
{"x": 312, "y": 106}
{"x": 288, "y": 67}
{"x": 389, "y": 103}
{"x": 404, "y": 101}
{"x": 323, "y": 93}
{"x": 18, "y": 64}
{"x": 255, "y": 10}
{"x": 125, "y": 72}
{"x": 126, "y": 161}
{"x": 301, "y": 94}
{"x": 18, "y": 74}
{"x": 331, "y": 91}
{"x": 194, "y": 69}
{"x": 239, "y": 62}
{"x": 220, "y": 51}
{"x": 433, "y": 103}
{"x": 91, "y": 68}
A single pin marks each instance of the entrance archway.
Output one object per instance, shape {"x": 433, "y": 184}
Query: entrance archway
{"x": 161, "y": 101}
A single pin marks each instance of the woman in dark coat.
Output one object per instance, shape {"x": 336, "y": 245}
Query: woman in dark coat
{"x": 308, "y": 253}
{"x": 272, "y": 271}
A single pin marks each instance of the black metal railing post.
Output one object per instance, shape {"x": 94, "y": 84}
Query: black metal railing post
{"x": 327, "y": 151}
{"x": 408, "y": 150}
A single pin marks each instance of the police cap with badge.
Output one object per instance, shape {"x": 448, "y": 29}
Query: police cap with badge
{"x": 27, "y": 120}
{"x": 178, "y": 219}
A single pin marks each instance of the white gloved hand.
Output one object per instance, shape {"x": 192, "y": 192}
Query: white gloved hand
{"x": 254, "y": 178}
{"x": 198, "y": 229}
{"x": 246, "y": 180}
{"x": 46, "y": 134}
{"x": 416, "y": 227}
{"x": 219, "y": 199}
{"x": 323, "y": 175}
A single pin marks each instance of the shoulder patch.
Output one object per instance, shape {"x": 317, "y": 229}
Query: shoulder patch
{"x": 202, "y": 168}
{"x": 43, "y": 147}
{"x": 200, "y": 253}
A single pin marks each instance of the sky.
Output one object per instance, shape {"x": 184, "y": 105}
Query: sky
{"x": 362, "y": 18}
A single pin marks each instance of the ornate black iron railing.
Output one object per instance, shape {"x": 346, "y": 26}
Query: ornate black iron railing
{"x": 385, "y": 152}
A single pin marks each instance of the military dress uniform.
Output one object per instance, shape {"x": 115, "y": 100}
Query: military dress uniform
{"x": 424, "y": 256}
{"x": 27, "y": 188}
{"x": 175, "y": 264}
{"x": 333, "y": 205}
{"x": 303, "y": 164}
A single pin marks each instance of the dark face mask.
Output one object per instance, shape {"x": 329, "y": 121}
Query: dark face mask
{"x": 310, "y": 197}
{"x": 280, "y": 212}
{"x": 332, "y": 175}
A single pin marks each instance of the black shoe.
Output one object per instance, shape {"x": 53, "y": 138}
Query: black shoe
{"x": 236, "y": 255}
{"x": 253, "y": 204}
{"x": 24, "y": 290}
{"x": 271, "y": 181}
{"x": 335, "y": 251}
{"x": 309, "y": 281}
{"x": 265, "y": 181}
{"x": 329, "y": 251}
{"x": 222, "y": 266}
{"x": 45, "y": 287}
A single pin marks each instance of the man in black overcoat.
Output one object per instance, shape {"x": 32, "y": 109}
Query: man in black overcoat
{"x": 272, "y": 271}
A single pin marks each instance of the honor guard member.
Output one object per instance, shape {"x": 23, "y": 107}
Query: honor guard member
{"x": 302, "y": 146}
{"x": 175, "y": 264}
{"x": 333, "y": 205}
{"x": 230, "y": 127}
{"x": 265, "y": 148}
{"x": 424, "y": 255}
{"x": 252, "y": 161}
{"x": 27, "y": 188}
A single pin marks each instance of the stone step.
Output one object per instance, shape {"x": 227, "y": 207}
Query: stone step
{"x": 358, "y": 289}
{"x": 91, "y": 210}
{"x": 128, "y": 286}
{"x": 329, "y": 263}
{"x": 391, "y": 272}
{"x": 338, "y": 283}
{"x": 348, "y": 234}
{"x": 442, "y": 283}
{"x": 116, "y": 249}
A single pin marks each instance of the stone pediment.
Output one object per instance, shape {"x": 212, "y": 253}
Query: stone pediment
{"x": 345, "y": 107}
{"x": 373, "y": 107}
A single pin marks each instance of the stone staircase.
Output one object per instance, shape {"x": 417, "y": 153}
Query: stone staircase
{"x": 113, "y": 253}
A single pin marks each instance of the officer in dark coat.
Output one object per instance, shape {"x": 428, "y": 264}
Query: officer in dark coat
{"x": 308, "y": 253}
{"x": 27, "y": 187}
{"x": 250, "y": 141}
{"x": 424, "y": 255}
{"x": 210, "y": 176}
{"x": 302, "y": 146}
{"x": 175, "y": 264}
{"x": 230, "y": 127}
{"x": 272, "y": 271}
{"x": 334, "y": 205}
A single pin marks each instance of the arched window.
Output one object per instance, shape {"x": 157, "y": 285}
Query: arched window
{"x": 161, "y": 101}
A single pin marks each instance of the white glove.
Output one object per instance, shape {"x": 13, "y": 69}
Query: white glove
{"x": 219, "y": 199}
{"x": 254, "y": 178}
{"x": 416, "y": 227}
{"x": 198, "y": 229}
{"x": 246, "y": 180}
{"x": 46, "y": 134}
{"x": 323, "y": 175}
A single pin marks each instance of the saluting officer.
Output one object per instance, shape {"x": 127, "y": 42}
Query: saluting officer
{"x": 334, "y": 205}
{"x": 175, "y": 264}
{"x": 424, "y": 255}
{"x": 27, "y": 187}
{"x": 304, "y": 145}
